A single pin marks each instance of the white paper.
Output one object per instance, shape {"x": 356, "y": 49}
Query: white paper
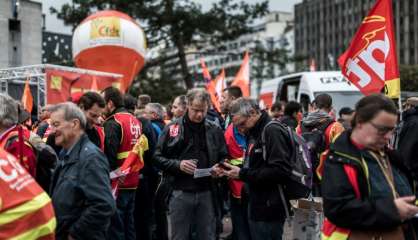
{"x": 202, "y": 172}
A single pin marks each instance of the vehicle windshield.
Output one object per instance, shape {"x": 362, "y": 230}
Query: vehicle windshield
{"x": 343, "y": 99}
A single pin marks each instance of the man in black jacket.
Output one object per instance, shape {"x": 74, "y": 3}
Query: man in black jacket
{"x": 187, "y": 144}
{"x": 408, "y": 136}
{"x": 267, "y": 209}
{"x": 80, "y": 188}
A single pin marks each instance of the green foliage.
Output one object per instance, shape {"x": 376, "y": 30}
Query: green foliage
{"x": 177, "y": 23}
{"x": 409, "y": 77}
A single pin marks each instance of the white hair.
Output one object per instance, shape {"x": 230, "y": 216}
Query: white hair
{"x": 71, "y": 111}
{"x": 8, "y": 111}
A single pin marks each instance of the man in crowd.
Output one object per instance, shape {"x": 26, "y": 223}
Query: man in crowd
{"x": 179, "y": 107}
{"x": 228, "y": 95}
{"x": 277, "y": 110}
{"x": 42, "y": 129}
{"x": 155, "y": 113}
{"x": 122, "y": 131}
{"x": 143, "y": 100}
{"x": 92, "y": 105}
{"x": 267, "y": 211}
{"x": 320, "y": 129}
{"x": 144, "y": 207}
{"x": 408, "y": 135}
{"x": 13, "y": 137}
{"x": 292, "y": 114}
{"x": 187, "y": 144}
{"x": 80, "y": 187}
{"x": 346, "y": 116}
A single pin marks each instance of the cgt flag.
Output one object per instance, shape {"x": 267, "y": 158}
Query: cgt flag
{"x": 242, "y": 79}
{"x": 27, "y": 98}
{"x": 370, "y": 62}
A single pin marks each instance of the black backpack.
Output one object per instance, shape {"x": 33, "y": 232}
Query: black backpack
{"x": 300, "y": 182}
{"x": 315, "y": 140}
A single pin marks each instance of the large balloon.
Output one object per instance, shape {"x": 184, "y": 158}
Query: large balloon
{"x": 110, "y": 41}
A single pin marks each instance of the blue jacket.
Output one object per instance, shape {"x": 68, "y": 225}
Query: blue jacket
{"x": 81, "y": 192}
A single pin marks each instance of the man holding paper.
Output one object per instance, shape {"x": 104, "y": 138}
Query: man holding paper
{"x": 187, "y": 150}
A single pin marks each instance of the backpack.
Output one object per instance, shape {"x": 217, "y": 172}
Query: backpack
{"x": 316, "y": 140}
{"x": 300, "y": 180}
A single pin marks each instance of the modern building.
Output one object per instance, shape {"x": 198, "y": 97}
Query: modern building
{"x": 273, "y": 32}
{"x": 20, "y": 33}
{"x": 324, "y": 29}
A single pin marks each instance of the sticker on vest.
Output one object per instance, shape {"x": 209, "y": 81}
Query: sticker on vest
{"x": 174, "y": 130}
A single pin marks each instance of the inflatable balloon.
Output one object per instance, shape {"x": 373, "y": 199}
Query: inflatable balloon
{"x": 110, "y": 41}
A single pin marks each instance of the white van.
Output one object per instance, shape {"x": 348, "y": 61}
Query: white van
{"x": 305, "y": 86}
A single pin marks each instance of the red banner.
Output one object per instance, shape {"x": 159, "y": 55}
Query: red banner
{"x": 371, "y": 61}
{"x": 61, "y": 84}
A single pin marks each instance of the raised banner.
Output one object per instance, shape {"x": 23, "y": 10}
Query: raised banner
{"x": 60, "y": 84}
{"x": 370, "y": 62}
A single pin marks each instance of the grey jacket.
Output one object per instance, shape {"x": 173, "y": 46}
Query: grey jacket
{"x": 81, "y": 192}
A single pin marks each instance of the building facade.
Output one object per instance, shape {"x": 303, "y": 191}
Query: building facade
{"x": 20, "y": 33}
{"x": 324, "y": 29}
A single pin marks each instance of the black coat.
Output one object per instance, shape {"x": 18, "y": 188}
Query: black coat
{"x": 81, "y": 194}
{"x": 341, "y": 206}
{"x": 408, "y": 140}
{"x": 264, "y": 176}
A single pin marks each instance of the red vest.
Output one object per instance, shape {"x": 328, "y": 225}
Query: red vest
{"x": 100, "y": 131}
{"x": 236, "y": 154}
{"x": 22, "y": 150}
{"x": 131, "y": 131}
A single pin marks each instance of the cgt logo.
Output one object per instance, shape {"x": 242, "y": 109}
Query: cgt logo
{"x": 373, "y": 54}
{"x": 10, "y": 169}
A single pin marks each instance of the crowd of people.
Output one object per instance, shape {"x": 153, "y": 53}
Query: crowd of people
{"x": 197, "y": 165}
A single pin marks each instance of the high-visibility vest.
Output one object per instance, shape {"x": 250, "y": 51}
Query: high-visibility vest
{"x": 100, "y": 132}
{"x": 329, "y": 230}
{"x": 236, "y": 154}
{"x": 26, "y": 211}
{"x": 131, "y": 131}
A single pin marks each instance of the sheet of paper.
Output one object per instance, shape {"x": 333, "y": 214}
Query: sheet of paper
{"x": 202, "y": 172}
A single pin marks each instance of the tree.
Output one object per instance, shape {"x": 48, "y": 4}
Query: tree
{"x": 409, "y": 77}
{"x": 176, "y": 23}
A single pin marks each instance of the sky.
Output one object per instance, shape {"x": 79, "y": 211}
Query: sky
{"x": 55, "y": 25}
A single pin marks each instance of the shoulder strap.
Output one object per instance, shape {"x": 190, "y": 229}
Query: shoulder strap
{"x": 263, "y": 136}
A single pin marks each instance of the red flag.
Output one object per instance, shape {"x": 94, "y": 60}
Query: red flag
{"x": 220, "y": 84}
{"x": 27, "y": 98}
{"x": 242, "y": 79}
{"x": 371, "y": 61}
{"x": 210, "y": 86}
{"x": 205, "y": 72}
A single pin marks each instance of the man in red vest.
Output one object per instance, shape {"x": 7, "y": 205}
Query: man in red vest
{"x": 93, "y": 106}
{"x": 13, "y": 138}
{"x": 122, "y": 131}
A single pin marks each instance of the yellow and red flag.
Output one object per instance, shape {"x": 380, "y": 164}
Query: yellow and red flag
{"x": 242, "y": 79}
{"x": 27, "y": 98}
{"x": 370, "y": 62}
{"x": 133, "y": 163}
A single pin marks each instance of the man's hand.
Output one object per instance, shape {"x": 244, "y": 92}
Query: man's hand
{"x": 406, "y": 207}
{"x": 233, "y": 171}
{"x": 188, "y": 166}
{"x": 217, "y": 171}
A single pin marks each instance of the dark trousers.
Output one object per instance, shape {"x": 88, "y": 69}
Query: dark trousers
{"x": 192, "y": 208}
{"x": 162, "y": 199}
{"x": 266, "y": 230}
{"x": 239, "y": 217}
{"x": 122, "y": 222}
{"x": 143, "y": 210}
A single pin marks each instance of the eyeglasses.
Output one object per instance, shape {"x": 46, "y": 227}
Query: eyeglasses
{"x": 382, "y": 130}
